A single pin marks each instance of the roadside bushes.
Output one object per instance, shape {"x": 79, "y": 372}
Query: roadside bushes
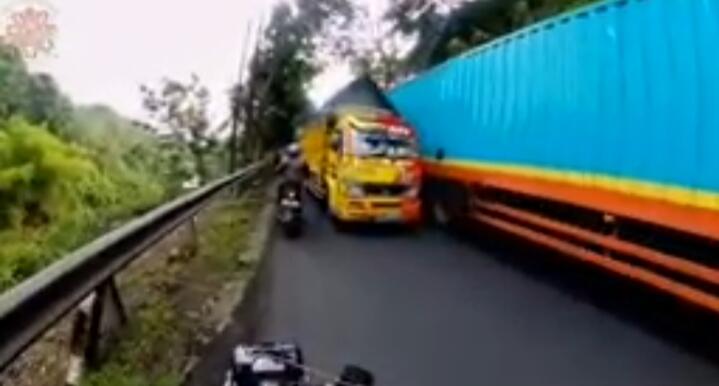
{"x": 42, "y": 177}
{"x": 69, "y": 173}
{"x": 56, "y": 195}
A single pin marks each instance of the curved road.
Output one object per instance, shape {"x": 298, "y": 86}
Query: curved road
{"x": 431, "y": 309}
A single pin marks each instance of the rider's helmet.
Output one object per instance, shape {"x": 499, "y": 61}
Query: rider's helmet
{"x": 293, "y": 150}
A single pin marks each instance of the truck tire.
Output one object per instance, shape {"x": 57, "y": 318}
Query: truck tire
{"x": 448, "y": 204}
{"x": 341, "y": 226}
{"x": 323, "y": 199}
{"x": 440, "y": 214}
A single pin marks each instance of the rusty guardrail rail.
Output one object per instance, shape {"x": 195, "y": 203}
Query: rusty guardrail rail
{"x": 35, "y": 305}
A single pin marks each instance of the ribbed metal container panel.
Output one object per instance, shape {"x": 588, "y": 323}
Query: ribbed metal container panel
{"x": 626, "y": 89}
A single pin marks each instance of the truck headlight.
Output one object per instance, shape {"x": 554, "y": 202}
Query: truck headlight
{"x": 412, "y": 192}
{"x": 354, "y": 190}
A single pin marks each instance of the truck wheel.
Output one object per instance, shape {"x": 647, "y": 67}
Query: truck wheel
{"x": 323, "y": 199}
{"x": 440, "y": 214}
{"x": 340, "y": 225}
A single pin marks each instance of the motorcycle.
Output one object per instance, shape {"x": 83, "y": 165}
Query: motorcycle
{"x": 282, "y": 364}
{"x": 289, "y": 211}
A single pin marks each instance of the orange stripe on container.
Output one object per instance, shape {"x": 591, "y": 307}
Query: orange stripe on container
{"x": 698, "y": 221}
{"x": 677, "y": 264}
{"x": 641, "y": 275}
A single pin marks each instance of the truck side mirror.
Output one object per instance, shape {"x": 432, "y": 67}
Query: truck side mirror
{"x": 336, "y": 143}
{"x": 332, "y": 122}
{"x": 439, "y": 155}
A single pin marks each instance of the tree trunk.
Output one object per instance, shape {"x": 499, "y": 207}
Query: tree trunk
{"x": 233, "y": 148}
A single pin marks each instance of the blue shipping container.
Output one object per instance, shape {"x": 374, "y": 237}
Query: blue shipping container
{"x": 624, "y": 91}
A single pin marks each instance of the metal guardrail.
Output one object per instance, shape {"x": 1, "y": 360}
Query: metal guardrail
{"x": 35, "y": 305}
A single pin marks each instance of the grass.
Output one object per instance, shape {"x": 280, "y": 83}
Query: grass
{"x": 138, "y": 361}
{"x": 163, "y": 329}
{"x": 223, "y": 236}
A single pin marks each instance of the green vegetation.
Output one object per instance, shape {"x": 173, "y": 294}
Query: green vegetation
{"x": 141, "y": 357}
{"x": 273, "y": 99}
{"x": 410, "y": 36}
{"x": 179, "y": 109}
{"x": 226, "y": 232}
{"x": 442, "y": 29}
{"x": 68, "y": 173}
{"x": 153, "y": 351}
{"x": 475, "y": 23}
{"x": 33, "y": 96}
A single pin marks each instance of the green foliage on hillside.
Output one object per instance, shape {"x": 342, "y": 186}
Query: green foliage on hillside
{"x": 55, "y": 195}
{"x": 129, "y": 148}
{"x": 69, "y": 173}
{"x": 33, "y": 96}
{"x": 447, "y": 28}
{"x": 476, "y": 23}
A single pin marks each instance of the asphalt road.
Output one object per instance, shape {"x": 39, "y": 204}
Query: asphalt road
{"x": 427, "y": 308}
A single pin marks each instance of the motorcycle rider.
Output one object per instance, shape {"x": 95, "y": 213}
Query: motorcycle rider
{"x": 292, "y": 168}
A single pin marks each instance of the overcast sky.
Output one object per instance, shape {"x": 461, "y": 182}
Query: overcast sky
{"x": 106, "y": 48}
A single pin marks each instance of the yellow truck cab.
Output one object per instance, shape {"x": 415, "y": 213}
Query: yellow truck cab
{"x": 364, "y": 165}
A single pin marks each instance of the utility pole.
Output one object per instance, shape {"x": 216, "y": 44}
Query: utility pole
{"x": 237, "y": 91}
{"x": 249, "y": 115}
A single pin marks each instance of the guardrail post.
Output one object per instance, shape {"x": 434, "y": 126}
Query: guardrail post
{"x": 237, "y": 190}
{"x": 108, "y": 314}
{"x": 97, "y": 317}
{"x": 194, "y": 236}
{"x": 76, "y": 365}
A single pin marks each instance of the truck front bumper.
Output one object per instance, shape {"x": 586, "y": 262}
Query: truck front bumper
{"x": 389, "y": 210}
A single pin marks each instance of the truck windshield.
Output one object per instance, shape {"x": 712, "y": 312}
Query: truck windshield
{"x": 381, "y": 144}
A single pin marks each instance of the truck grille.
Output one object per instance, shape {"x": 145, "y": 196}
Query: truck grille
{"x": 386, "y": 205}
{"x": 384, "y": 190}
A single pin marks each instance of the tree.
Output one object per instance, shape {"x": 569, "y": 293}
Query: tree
{"x": 46, "y": 104}
{"x": 33, "y": 96}
{"x": 13, "y": 82}
{"x": 386, "y": 45}
{"x": 180, "y": 112}
{"x": 444, "y": 29}
{"x": 425, "y": 21}
{"x": 368, "y": 44}
{"x": 286, "y": 59}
